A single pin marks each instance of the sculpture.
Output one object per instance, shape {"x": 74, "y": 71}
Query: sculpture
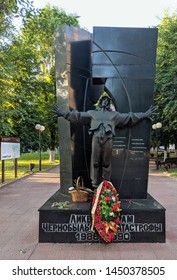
{"x": 103, "y": 121}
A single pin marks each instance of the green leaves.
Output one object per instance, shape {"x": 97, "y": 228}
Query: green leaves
{"x": 27, "y": 72}
{"x": 166, "y": 79}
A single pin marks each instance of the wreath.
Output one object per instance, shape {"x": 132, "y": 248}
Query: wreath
{"x": 106, "y": 211}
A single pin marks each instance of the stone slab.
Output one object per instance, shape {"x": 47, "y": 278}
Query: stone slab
{"x": 142, "y": 220}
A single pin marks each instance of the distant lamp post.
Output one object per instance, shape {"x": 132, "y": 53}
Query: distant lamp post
{"x": 40, "y": 128}
{"x": 156, "y": 127}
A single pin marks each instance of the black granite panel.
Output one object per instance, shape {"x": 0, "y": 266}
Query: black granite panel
{"x": 126, "y": 61}
{"x": 75, "y": 90}
{"x": 82, "y": 94}
{"x": 126, "y": 52}
{"x": 142, "y": 220}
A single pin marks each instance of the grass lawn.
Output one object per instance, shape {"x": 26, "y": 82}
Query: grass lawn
{"x": 172, "y": 172}
{"x": 23, "y": 165}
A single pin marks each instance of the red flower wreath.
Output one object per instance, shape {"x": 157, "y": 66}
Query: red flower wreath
{"x": 106, "y": 211}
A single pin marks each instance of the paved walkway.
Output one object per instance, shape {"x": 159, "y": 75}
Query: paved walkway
{"x": 19, "y": 218}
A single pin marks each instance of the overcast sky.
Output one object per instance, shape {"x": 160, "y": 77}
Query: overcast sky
{"x": 127, "y": 13}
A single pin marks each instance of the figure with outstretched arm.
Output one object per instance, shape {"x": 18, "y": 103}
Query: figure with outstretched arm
{"x": 103, "y": 122}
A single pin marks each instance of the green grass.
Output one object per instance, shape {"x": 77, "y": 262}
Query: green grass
{"x": 23, "y": 165}
{"x": 172, "y": 172}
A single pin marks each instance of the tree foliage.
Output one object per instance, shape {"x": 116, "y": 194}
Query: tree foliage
{"x": 166, "y": 79}
{"x": 27, "y": 79}
{"x": 9, "y": 10}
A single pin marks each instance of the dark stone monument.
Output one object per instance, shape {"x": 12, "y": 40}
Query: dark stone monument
{"x": 127, "y": 60}
{"x": 122, "y": 61}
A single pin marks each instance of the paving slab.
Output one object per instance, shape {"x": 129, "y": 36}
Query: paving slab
{"x": 19, "y": 223}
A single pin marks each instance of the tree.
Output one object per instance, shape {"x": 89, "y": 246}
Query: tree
{"x": 166, "y": 79}
{"x": 38, "y": 33}
{"x": 9, "y": 10}
{"x": 29, "y": 78}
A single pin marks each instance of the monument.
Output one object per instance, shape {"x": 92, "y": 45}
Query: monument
{"x": 120, "y": 62}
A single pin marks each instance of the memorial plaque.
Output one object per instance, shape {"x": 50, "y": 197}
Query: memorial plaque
{"x": 140, "y": 222}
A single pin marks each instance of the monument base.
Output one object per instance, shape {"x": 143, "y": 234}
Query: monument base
{"x": 142, "y": 220}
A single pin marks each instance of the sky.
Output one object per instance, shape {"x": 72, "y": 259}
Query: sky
{"x": 114, "y": 13}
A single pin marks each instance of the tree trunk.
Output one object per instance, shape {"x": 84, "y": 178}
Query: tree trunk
{"x": 52, "y": 146}
{"x": 165, "y": 154}
{"x": 51, "y": 156}
{"x": 175, "y": 150}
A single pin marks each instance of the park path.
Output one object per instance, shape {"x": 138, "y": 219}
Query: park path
{"x": 19, "y": 218}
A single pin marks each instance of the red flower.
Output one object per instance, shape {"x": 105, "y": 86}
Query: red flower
{"x": 114, "y": 191}
{"x": 99, "y": 225}
{"x": 114, "y": 208}
{"x": 97, "y": 219}
{"x": 107, "y": 198}
{"x": 98, "y": 209}
{"x": 103, "y": 233}
{"x": 110, "y": 237}
{"x": 117, "y": 221}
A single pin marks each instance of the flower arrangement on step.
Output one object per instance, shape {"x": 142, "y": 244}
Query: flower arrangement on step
{"x": 106, "y": 211}
{"x": 78, "y": 192}
{"x": 61, "y": 204}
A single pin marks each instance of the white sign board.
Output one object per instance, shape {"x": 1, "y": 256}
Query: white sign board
{"x": 10, "y": 148}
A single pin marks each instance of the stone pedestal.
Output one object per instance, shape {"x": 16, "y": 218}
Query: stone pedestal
{"x": 142, "y": 220}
